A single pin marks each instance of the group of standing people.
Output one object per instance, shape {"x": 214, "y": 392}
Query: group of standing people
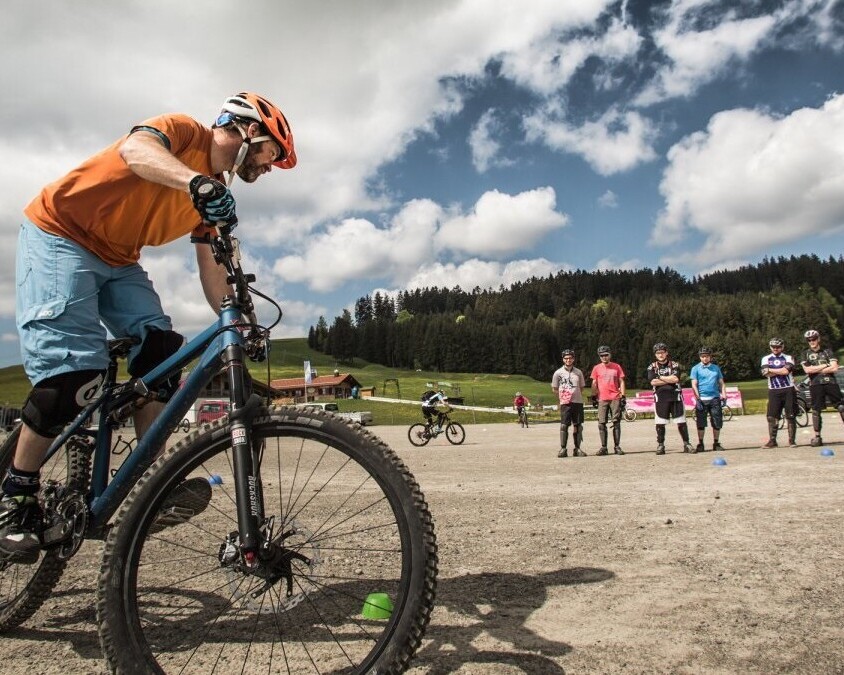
{"x": 707, "y": 380}
{"x": 608, "y": 395}
{"x": 820, "y": 365}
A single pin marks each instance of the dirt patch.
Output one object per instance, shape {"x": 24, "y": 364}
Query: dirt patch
{"x": 633, "y": 564}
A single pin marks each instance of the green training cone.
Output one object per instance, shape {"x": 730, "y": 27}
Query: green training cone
{"x": 377, "y": 606}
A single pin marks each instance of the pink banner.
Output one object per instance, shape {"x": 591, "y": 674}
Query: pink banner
{"x": 643, "y": 401}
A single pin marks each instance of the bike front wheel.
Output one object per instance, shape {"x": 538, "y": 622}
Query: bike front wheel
{"x": 630, "y": 415}
{"x": 418, "y": 435}
{"x": 801, "y": 414}
{"x": 726, "y": 413}
{"x": 455, "y": 433}
{"x": 348, "y": 581}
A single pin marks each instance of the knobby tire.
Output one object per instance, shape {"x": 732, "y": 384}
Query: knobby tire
{"x": 455, "y": 433}
{"x": 24, "y": 588}
{"x": 340, "y": 498}
{"x": 418, "y": 435}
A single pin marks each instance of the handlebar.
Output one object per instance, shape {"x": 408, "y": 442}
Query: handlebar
{"x": 226, "y": 251}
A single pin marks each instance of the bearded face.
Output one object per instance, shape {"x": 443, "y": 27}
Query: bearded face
{"x": 258, "y": 161}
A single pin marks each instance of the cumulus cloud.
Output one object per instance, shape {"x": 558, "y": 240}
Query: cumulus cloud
{"x": 698, "y": 57}
{"x": 608, "y": 200}
{"x": 752, "y": 180}
{"x": 482, "y": 273}
{"x": 548, "y": 64}
{"x": 606, "y": 264}
{"x": 501, "y": 224}
{"x": 484, "y": 143}
{"x": 614, "y": 142}
{"x": 357, "y": 248}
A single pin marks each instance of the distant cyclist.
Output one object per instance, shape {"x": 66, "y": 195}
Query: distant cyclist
{"x": 430, "y": 400}
{"x": 78, "y": 272}
{"x": 821, "y": 364}
{"x": 520, "y": 402}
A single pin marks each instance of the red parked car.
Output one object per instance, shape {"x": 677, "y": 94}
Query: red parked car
{"x": 211, "y": 410}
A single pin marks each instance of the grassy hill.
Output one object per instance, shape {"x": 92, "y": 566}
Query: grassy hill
{"x": 287, "y": 357}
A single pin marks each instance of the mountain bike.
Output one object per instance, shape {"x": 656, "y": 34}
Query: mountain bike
{"x": 801, "y": 414}
{"x": 523, "y": 418}
{"x": 420, "y": 434}
{"x": 273, "y": 539}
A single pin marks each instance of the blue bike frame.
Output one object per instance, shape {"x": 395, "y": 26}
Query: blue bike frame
{"x": 104, "y": 496}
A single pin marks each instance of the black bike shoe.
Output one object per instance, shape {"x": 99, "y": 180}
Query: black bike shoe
{"x": 563, "y": 452}
{"x": 717, "y": 447}
{"x": 188, "y": 499}
{"x": 816, "y": 442}
{"x": 602, "y": 452}
{"x": 618, "y": 451}
{"x": 700, "y": 448}
{"x": 578, "y": 453}
{"x": 687, "y": 447}
{"x": 20, "y": 519}
{"x": 660, "y": 449}
{"x": 770, "y": 444}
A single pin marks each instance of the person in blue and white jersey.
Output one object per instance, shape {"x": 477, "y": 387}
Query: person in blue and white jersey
{"x": 777, "y": 367}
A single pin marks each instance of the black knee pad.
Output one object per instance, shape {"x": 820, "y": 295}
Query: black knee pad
{"x": 158, "y": 346}
{"x": 55, "y": 401}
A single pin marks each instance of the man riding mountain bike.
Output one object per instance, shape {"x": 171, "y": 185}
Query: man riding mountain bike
{"x": 430, "y": 400}
{"x": 78, "y": 272}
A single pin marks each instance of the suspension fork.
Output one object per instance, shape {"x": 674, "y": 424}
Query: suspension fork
{"x": 248, "y": 490}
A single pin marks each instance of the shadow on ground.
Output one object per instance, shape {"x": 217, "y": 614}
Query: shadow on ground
{"x": 496, "y": 606}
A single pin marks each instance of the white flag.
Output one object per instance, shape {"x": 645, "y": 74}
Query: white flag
{"x": 308, "y": 376}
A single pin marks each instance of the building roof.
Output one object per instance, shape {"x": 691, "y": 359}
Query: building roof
{"x": 321, "y": 381}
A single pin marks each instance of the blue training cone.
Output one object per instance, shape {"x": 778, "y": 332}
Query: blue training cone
{"x": 828, "y": 452}
{"x": 719, "y": 461}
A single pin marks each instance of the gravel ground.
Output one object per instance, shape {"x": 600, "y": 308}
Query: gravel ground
{"x": 633, "y": 564}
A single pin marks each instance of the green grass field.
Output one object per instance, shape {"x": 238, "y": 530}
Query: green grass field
{"x": 496, "y": 391}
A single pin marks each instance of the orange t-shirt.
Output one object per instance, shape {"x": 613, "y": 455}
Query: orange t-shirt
{"x": 112, "y": 212}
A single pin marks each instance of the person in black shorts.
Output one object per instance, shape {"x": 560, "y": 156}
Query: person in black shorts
{"x": 820, "y": 365}
{"x": 568, "y": 383}
{"x": 664, "y": 376}
{"x": 777, "y": 367}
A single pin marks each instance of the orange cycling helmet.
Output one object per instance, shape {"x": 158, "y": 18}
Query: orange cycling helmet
{"x": 252, "y": 107}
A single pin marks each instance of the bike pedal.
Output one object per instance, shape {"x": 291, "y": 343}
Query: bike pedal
{"x": 56, "y": 534}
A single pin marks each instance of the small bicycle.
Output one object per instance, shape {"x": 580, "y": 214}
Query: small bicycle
{"x": 628, "y": 414}
{"x": 420, "y": 434}
{"x": 801, "y": 414}
{"x": 523, "y": 418}
{"x": 274, "y": 539}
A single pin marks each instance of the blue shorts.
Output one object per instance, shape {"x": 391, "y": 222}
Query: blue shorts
{"x": 66, "y": 299}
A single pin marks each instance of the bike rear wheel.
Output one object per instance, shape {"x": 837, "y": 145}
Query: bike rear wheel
{"x": 418, "y": 434}
{"x": 726, "y": 413}
{"x": 352, "y": 531}
{"x": 24, "y": 588}
{"x": 455, "y": 433}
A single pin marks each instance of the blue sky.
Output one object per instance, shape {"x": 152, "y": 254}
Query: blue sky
{"x": 471, "y": 143}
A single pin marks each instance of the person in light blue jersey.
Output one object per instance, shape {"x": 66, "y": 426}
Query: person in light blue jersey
{"x": 710, "y": 394}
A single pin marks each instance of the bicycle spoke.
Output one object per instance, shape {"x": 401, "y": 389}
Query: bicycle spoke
{"x": 340, "y": 537}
